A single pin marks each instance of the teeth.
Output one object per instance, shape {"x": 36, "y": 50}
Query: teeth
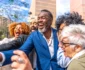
{"x": 17, "y": 32}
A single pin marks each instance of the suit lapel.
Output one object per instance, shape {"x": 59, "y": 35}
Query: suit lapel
{"x": 55, "y": 43}
{"x": 43, "y": 43}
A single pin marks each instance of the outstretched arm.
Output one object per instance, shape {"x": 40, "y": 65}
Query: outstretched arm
{"x": 26, "y": 47}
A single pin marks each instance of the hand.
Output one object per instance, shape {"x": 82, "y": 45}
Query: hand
{"x": 16, "y": 65}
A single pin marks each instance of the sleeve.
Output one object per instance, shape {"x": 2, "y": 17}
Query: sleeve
{"x": 1, "y": 63}
{"x": 15, "y": 44}
{"x": 61, "y": 59}
{"x": 26, "y": 47}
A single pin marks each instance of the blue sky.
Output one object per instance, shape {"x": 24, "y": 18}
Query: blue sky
{"x": 62, "y": 6}
{"x": 9, "y": 9}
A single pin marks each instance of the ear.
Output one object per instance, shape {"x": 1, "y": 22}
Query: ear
{"x": 77, "y": 48}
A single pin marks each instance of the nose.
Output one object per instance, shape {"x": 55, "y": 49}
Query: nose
{"x": 40, "y": 20}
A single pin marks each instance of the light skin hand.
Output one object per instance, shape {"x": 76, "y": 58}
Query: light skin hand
{"x": 20, "y": 66}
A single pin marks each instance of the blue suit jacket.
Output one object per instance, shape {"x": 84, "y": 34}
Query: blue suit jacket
{"x": 44, "y": 59}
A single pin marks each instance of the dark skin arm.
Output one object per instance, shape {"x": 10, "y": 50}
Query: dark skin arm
{"x": 1, "y": 58}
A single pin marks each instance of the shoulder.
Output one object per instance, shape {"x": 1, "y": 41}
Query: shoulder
{"x": 34, "y": 33}
{"x": 73, "y": 64}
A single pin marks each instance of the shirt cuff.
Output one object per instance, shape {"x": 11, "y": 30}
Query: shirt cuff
{"x": 3, "y": 56}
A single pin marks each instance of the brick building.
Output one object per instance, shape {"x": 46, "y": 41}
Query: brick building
{"x": 38, "y": 5}
{"x": 78, "y": 6}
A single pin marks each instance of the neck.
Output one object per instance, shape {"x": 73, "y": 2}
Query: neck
{"x": 47, "y": 34}
{"x": 72, "y": 55}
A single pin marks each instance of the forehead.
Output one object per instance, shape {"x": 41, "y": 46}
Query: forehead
{"x": 64, "y": 39}
{"x": 62, "y": 25}
{"x": 18, "y": 25}
{"x": 43, "y": 14}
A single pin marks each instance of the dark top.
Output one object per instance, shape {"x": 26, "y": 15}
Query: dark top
{"x": 15, "y": 44}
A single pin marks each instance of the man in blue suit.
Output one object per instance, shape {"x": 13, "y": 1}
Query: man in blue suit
{"x": 45, "y": 42}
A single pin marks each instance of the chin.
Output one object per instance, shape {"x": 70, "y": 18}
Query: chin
{"x": 42, "y": 30}
{"x": 65, "y": 54}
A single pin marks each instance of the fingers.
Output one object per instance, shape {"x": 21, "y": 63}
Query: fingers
{"x": 21, "y": 54}
{"x": 14, "y": 58}
{"x": 17, "y": 59}
{"x": 14, "y": 65}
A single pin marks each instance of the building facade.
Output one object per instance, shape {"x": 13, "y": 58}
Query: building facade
{"x": 78, "y": 6}
{"x": 38, "y": 5}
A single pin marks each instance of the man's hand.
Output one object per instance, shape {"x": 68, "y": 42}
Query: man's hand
{"x": 20, "y": 61}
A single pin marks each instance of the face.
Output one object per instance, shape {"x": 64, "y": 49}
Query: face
{"x": 18, "y": 30}
{"x": 33, "y": 26}
{"x": 44, "y": 21}
{"x": 67, "y": 47}
{"x": 61, "y": 28}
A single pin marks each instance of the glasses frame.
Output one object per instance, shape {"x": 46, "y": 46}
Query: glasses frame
{"x": 67, "y": 43}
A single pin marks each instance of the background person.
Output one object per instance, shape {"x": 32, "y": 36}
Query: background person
{"x": 33, "y": 25}
{"x": 33, "y": 57}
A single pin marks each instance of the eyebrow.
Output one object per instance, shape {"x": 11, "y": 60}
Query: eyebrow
{"x": 68, "y": 43}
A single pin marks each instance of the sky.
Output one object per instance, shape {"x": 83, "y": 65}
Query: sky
{"x": 10, "y": 8}
{"x": 62, "y": 6}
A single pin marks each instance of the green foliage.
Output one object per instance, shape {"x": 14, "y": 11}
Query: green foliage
{"x": 3, "y": 31}
{"x": 11, "y": 1}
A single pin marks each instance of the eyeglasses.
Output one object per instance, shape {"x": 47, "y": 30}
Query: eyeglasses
{"x": 66, "y": 44}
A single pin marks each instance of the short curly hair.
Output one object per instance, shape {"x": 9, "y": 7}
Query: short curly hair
{"x": 11, "y": 27}
{"x": 69, "y": 18}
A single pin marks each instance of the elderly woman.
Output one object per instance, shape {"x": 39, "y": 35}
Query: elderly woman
{"x": 72, "y": 40}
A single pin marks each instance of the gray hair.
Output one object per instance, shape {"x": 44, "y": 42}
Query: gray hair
{"x": 75, "y": 34}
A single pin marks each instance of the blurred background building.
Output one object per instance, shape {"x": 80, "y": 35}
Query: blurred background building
{"x": 78, "y": 6}
{"x": 38, "y": 5}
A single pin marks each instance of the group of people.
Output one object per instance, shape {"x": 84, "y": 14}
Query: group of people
{"x": 61, "y": 49}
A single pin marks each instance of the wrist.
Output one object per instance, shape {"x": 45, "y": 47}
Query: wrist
{"x": 1, "y": 57}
